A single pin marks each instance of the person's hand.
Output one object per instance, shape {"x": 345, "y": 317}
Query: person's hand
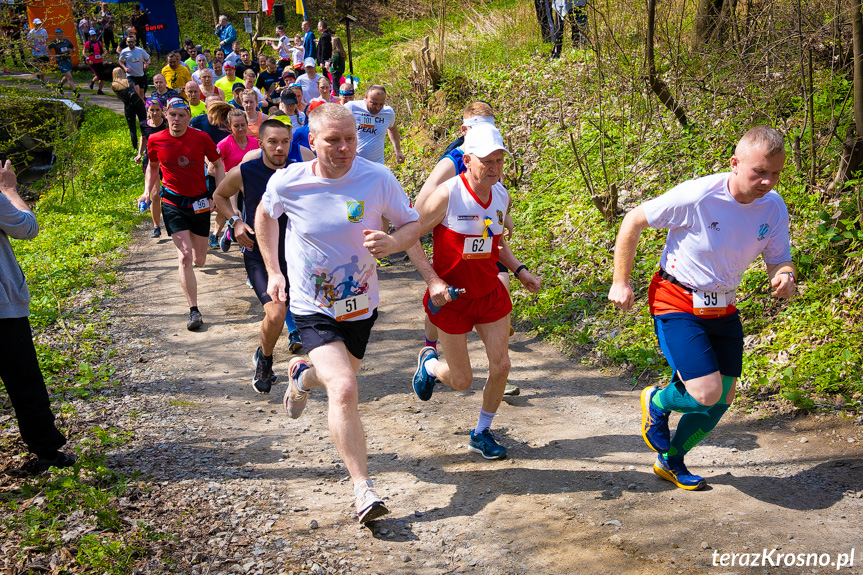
{"x": 439, "y": 292}
{"x": 400, "y": 158}
{"x": 243, "y": 234}
{"x": 621, "y": 295}
{"x": 783, "y": 285}
{"x": 276, "y": 287}
{"x": 529, "y": 281}
{"x": 145, "y": 197}
{"x": 379, "y": 244}
{"x": 137, "y": 159}
{"x": 8, "y": 180}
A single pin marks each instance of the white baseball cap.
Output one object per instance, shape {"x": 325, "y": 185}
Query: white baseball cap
{"x": 36, "y": 21}
{"x": 309, "y": 62}
{"x": 482, "y": 140}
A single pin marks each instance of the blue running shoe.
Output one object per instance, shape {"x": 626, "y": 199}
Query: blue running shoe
{"x": 227, "y": 238}
{"x": 214, "y": 241}
{"x": 424, "y": 382}
{"x": 654, "y": 422}
{"x": 484, "y": 443}
{"x": 672, "y": 469}
{"x": 295, "y": 344}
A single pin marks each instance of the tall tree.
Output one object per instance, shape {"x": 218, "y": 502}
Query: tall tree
{"x": 656, "y": 84}
{"x": 852, "y": 154}
{"x": 214, "y": 4}
{"x": 712, "y": 20}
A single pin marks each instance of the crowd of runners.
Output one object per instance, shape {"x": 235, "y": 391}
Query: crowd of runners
{"x": 303, "y": 189}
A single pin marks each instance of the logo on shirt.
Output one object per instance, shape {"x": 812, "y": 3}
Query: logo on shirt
{"x": 713, "y": 226}
{"x": 468, "y": 218}
{"x": 500, "y": 217}
{"x": 182, "y": 161}
{"x": 356, "y": 211}
{"x": 368, "y": 129}
{"x": 762, "y": 231}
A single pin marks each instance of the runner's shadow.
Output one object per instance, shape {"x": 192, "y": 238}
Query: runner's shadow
{"x": 818, "y": 487}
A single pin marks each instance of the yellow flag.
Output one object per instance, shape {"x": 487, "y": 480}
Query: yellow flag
{"x": 300, "y": 8}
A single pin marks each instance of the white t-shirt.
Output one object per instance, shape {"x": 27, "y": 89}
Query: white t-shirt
{"x": 233, "y": 58}
{"x": 134, "y": 59}
{"x": 310, "y": 87}
{"x": 713, "y": 238}
{"x": 284, "y": 44}
{"x": 325, "y": 255}
{"x": 39, "y": 41}
{"x": 371, "y": 129}
{"x": 298, "y": 53}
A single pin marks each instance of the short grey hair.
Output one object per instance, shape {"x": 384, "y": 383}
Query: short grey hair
{"x": 762, "y": 138}
{"x": 333, "y": 112}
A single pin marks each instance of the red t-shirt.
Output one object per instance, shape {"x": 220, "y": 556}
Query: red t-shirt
{"x": 182, "y": 160}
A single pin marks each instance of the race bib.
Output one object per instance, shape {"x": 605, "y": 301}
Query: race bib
{"x": 708, "y": 302}
{"x": 351, "y": 307}
{"x": 201, "y": 206}
{"x": 476, "y": 248}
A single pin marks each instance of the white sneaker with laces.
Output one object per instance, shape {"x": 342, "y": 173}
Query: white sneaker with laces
{"x": 369, "y": 505}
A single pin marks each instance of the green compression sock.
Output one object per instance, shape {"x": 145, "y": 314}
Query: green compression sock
{"x": 693, "y": 427}
{"x": 675, "y": 398}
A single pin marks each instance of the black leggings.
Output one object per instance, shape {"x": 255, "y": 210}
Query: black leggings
{"x": 135, "y": 112}
{"x": 19, "y": 370}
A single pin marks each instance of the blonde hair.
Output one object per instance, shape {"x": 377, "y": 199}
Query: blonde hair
{"x": 120, "y": 82}
{"x": 475, "y": 109}
{"x": 217, "y": 112}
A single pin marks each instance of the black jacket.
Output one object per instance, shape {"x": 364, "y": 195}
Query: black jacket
{"x": 325, "y": 47}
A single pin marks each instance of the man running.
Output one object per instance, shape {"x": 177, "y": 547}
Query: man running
{"x": 38, "y": 39}
{"x": 251, "y": 178}
{"x": 176, "y": 75}
{"x": 466, "y": 214}
{"x": 718, "y": 225}
{"x": 355, "y": 194}
{"x": 181, "y": 152}
{"x": 134, "y": 61}
{"x": 450, "y": 165}
{"x": 63, "y": 50}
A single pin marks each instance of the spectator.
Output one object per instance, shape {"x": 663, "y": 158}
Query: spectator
{"x": 130, "y": 31}
{"x": 308, "y": 41}
{"x": 325, "y": 46}
{"x": 574, "y": 12}
{"x": 38, "y": 39}
{"x": 19, "y": 366}
{"x": 106, "y": 22}
{"x": 84, "y": 25}
{"x": 63, "y": 49}
{"x": 282, "y": 46}
{"x": 226, "y": 33}
{"x": 337, "y": 62}
{"x": 13, "y": 25}
{"x": 140, "y": 21}
{"x": 297, "y": 55}
{"x": 175, "y": 73}
{"x": 133, "y": 104}
{"x": 94, "y": 52}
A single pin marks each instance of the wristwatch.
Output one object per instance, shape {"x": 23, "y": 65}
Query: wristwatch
{"x": 791, "y": 274}
{"x": 233, "y": 220}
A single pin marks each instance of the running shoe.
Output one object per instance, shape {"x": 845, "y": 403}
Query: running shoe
{"x": 157, "y": 231}
{"x": 369, "y": 505}
{"x": 654, "y": 422}
{"x": 263, "y": 380}
{"x": 485, "y": 444}
{"x": 214, "y": 242}
{"x": 511, "y": 389}
{"x": 511, "y": 331}
{"x": 249, "y": 283}
{"x": 295, "y": 400}
{"x": 59, "y": 461}
{"x": 672, "y": 469}
{"x": 91, "y": 83}
{"x": 295, "y": 344}
{"x": 100, "y": 92}
{"x": 384, "y": 262}
{"x": 195, "y": 320}
{"x": 424, "y": 382}
{"x": 225, "y": 242}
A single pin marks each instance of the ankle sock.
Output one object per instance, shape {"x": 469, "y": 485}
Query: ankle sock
{"x": 430, "y": 365}
{"x": 194, "y": 308}
{"x": 431, "y": 344}
{"x": 484, "y": 421}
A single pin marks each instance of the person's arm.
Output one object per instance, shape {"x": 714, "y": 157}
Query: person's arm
{"x": 151, "y": 180}
{"x": 783, "y": 279}
{"x": 395, "y": 138}
{"x": 140, "y": 149}
{"x": 220, "y": 171}
{"x": 307, "y": 154}
{"x": 633, "y": 224}
{"x": 431, "y": 206}
{"x": 443, "y": 171}
{"x": 528, "y": 280}
{"x": 16, "y": 218}
{"x": 267, "y": 230}
{"x": 225, "y": 195}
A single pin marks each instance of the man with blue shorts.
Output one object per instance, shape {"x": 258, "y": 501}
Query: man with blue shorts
{"x": 718, "y": 225}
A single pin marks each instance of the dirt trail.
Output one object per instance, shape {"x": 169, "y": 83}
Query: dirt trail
{"x": 576, "y": 495}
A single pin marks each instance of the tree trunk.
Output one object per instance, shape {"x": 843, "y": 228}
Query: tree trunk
{"x": 214, "y": 4}
{"x": 710, "y": 22}
{"x": 659, "y": 87}
{"x": 852, "y": 152}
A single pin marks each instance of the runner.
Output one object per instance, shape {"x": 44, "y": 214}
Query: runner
{"x": 309, "y": 81}
{"x": 161, "y": 91}
{"x": 450, "y": 165}
{"x": 466, "y": 214}
{"x": 94, "y": 51}
{"x": 373, "y": 118}
{"x": 226, "y": 83}
{"x": 176, "y": 75}
{"x": 193, "y": 96}
{"x": 154, "y": 124}
{"x": 249, "y": 100}
{"x": 718, "y": 225}
{"x": 63, "y": 49}
{"x": 356, "y": 194}
{"x": 346, "y": 93}
{"x": 38, "y": 39}
{"x": 207, "y": 87}
{"x": 181, "y": 152}
{"x": 134, "y": 61}
{"x": 250, "y": 177}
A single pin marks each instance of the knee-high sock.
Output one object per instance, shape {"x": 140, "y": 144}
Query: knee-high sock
{"x": 289, "y": 322}
{"x": 675, "y": 398}
{"x": 694, "y": 427}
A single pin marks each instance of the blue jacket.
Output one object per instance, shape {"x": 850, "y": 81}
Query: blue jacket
{"x": 228, "y": 35}
{"x": 309, "y": 44}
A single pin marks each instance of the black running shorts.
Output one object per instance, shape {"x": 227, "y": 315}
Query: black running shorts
{"x": 319, "y": 329}
{"x": 181, "y": 219}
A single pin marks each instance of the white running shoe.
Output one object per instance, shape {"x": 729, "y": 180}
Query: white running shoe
{"x": 369, "y": 505}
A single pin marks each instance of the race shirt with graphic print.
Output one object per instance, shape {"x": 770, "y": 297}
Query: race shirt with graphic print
{"x": 371, "y": 129}
{"x": 182, "y": 160}
{"x": 330, "y": 272}
{"x": 712, "y": 239}
{"x": 466, "y": 242}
